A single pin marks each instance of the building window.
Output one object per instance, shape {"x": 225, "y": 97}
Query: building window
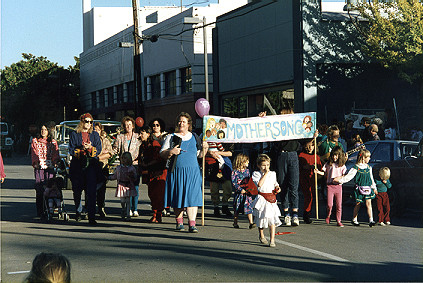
{"x": 119, "y": 92}
{"x": 186, "y": 80}
{"x": 235, "y": 107}
{"x": 145, "y": 89}
{"x": 101, "y": 98}
{"x": 130, "y": 91}
{"x": 110, "y": 95}
{"x": 93, "y": 100}
{"x": 170, "y": 83}
{"x": 155, "y": 87}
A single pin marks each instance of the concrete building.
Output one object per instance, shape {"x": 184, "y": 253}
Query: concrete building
{"x": 172, "y": 68}
{"x": 302, "y": 53}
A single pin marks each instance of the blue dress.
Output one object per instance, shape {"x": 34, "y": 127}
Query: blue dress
{"x": 183, "y": 185}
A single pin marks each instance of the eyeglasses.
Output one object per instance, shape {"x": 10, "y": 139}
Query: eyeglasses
{"x": 88, "y": 121}
{"x": 156, "y": 125}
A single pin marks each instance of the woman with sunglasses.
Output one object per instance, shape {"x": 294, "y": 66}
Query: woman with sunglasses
{"x": 85, "y": 169}
{"x": 158, "y": 133}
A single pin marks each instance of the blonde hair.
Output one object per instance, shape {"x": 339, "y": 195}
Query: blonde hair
{"x": 361, "y": 155}
{"x": 50, "y": 267}
{"x": 239, "y": 162}
{"x": 263, "y": 157}
{"x": 384, "y": 173}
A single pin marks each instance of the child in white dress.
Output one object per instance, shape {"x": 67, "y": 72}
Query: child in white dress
{"x": 266, "y": 211}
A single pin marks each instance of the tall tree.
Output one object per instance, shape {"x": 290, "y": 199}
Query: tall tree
{"x": 39, "y": 88}
{"x": 394, "y": 35}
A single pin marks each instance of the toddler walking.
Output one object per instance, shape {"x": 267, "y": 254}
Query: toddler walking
{"x": 243, "y": 201}
{"x": 335, "y": 167}
{"x": 266, "y": 211}
{"x": 365, "y": 189}
{"x": 382, "y": 198}
{"x": 126, "y": 175}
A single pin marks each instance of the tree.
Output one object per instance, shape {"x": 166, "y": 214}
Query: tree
{"x": 36, "y": 90}
{"x": 394, "y": 35}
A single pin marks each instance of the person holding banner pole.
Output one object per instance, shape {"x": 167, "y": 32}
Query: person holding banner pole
{"x": 183, "y": 181}
{"x": 287, "y": 166}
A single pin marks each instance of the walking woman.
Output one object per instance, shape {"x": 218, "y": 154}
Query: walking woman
{"x": 129, "y": 141}
{"x": 44, "y": 156}
{"x": 157, "y": 126}
{"x": 183, "y": 181}
{"x": 103, "y": 157}
{"x": 156, "y": 177}
{"x": 85, "y": 170}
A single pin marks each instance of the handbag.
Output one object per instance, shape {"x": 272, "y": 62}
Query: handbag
{"x": 248, "y": 185}
{"x": 270, "y": 197}
{"x": 364, "y": 190}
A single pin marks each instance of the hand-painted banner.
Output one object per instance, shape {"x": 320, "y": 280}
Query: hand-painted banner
{"x": 259, "y": 129}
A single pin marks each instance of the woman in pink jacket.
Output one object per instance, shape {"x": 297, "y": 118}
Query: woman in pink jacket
{"x": 44, "y": 156}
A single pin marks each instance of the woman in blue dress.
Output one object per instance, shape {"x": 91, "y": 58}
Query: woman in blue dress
{"x": 184, "y": 180}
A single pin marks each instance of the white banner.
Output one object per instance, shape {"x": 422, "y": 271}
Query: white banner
{"x": 259, "y": 129}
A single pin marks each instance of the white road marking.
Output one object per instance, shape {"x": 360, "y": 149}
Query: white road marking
{"x": 333, "y": 257}
{"x": 19, "y": 272}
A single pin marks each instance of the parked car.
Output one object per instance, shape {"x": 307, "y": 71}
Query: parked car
{"x": 63, "y": 130}
{"x": 6, "y": 142}
{"x": 406, "y": 166}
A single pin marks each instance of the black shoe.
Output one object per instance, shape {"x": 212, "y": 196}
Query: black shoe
{"x": 372, "y": 223}
{"x": 355, "y": 223}
{"x": 92, "y": 222}
{"x": 226, "y": 211}
{"x": 78, "y": 216}
{"x": 306, "y": 218}
{"x": 216, "y": 212}
{"x": 101, "y": 212}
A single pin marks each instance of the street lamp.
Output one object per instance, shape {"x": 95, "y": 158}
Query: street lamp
{"x": 193, "y": 20}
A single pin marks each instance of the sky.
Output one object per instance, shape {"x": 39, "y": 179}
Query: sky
{"x": 53, "y": 28}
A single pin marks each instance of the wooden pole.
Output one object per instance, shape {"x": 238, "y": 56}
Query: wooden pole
{"x": 202, "y": 186}
{"x": 315, "y": 179}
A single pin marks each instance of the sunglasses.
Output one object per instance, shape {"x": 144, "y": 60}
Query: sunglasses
{"x": 88, "y": 121}
{"x": 156, "y": 125}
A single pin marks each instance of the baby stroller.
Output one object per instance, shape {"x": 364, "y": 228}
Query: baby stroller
{"x": 54, "y": 205}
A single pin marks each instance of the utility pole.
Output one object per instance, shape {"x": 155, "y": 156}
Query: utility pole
{"x": 139, "y": 108}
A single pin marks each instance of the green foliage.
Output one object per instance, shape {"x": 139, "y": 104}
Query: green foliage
{"x": 36, "y": 90}
{"x": 394, "y": 35}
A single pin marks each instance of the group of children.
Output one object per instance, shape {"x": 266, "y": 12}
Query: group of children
{"x": 264, "y": 207}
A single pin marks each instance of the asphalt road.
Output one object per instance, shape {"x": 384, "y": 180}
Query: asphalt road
{"x": 138, "y": 251}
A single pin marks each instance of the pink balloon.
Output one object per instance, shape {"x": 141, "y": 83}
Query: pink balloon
{"x": 202, "y": 107}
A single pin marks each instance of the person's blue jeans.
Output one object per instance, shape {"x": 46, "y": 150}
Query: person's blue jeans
{"x": 288, "y": 177}
{"x": 134, "y": 200}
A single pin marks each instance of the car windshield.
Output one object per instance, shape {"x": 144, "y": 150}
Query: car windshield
{"x": 407, "y": 149}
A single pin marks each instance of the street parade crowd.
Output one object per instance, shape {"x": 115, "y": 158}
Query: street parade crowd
{"x": 170, "y": 165}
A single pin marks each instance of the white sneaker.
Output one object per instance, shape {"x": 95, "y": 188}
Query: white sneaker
{"x": 287, "y": 220}
{"x": 388, "y": 223}
{"x": 295, "y": 221}
{"x": 135, "y": 214}
{"x": 382, "y": 224}
{"x": 130, "y": 213}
